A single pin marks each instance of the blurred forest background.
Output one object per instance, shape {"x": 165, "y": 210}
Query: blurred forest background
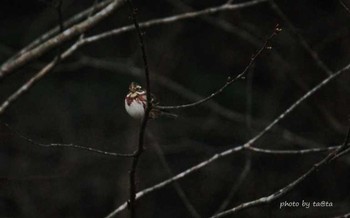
{"x": 82, "y": 102}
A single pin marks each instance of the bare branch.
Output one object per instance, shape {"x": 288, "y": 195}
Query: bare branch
{"x": 60, "y": 57}
{"x": 229, "y": 79}
{"x": 76, "y": 18}
{"x": 123, "y": 67}
{"x": 302, "y": 151}
{"x": 95, "y": 38}
{"x": 298, "y": 102}
{"x": 59, "y": 39}
{"x": 176, "y": 18}
{"x": 236, "y": 149}
{"x": 25, "y": 87}
{"x": 140, "y": 148}
{"x": 301, "y": 40}
{"x": 91, "y": 149}
{"x": 177, "y": 177}
{"x": 290, "y": 186}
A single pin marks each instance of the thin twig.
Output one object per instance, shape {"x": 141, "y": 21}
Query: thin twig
{"x": 301, "y": 39}
{"x": 275, "y": 56}
{"x": 140, "y": 147}
{"x": 229, "y": 80}
{"x": 236, "y": 149}
{"x": 31, "y": 141}
{"x": 290, "y": 186}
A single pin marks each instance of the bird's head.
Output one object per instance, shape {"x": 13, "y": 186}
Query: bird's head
{"x": 134, "y": 87}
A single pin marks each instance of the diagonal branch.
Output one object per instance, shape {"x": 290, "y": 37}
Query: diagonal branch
{"x": 177, "y": 177}
{"x": 75, "y": 19}
{"x": 27, "y": 85}
{"x": 39, "y": 47}
{"x": 59, "y": 145}
{"x": 87, "y": 40}
{"x": 46, "y": 69}
{"x": 290, "y": 186}
{"x": 176, "y": 18}
{"x": 236, "y": 149}
{"x": 59, "y": 39}
{"x": 297, "y": 103}
{"x": 229, "y": 79}
{"x": 123, "y": 67}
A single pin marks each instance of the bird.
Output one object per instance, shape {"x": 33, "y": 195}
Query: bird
{"x": 136, "y": 102}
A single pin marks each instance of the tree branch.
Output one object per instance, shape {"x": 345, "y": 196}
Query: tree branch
{"x": 81, "y": 42}
{"x": 25, "y": 87}
{"x": 140, "y": 148}
{"x": 130, "y": 69}
{"x": 79, "y": 147}
{"x": 236, "y": 149}
{"x": 76, "y": 18}
{"x": 229, "y": 79}
{"x": 290, "y": 186}
{"x": 59, "y": 58}
{"x": 59, "y": 39}
{"x": 302, "y": 151}
{"x": 301, "y": 40}
{"x": 176, "y": 18}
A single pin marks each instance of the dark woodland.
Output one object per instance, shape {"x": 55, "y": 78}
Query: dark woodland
{"x": 267, "y": 133}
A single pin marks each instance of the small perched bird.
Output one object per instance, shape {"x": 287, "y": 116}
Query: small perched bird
{"x": 136, "y": 101}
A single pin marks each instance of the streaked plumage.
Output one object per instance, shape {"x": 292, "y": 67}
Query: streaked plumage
{"x": 136, "y": 101}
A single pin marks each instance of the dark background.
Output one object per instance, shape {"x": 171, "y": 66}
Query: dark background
{"x": 82, "y": 102}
